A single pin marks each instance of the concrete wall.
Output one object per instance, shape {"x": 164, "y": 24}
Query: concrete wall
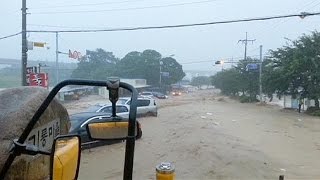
{"x": 289, "y": 102}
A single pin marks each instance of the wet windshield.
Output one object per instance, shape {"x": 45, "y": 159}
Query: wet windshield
{"x": 122, "y": 101}
{"x": 74, "y": 124}
{"x": 75, "y": 121}
{"x": 227, "y": 89}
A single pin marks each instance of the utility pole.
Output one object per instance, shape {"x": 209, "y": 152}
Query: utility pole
{"x": 260, "y": 74}
{"x": 160, "y": 73}
{"x": 24, "y": 47}
{"x": 57, "y": 58}
{"x": 245, "y": 42}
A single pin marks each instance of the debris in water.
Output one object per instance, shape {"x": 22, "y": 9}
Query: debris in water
{"x": 284, "y": 170}
{"x": 234, "y": 120}
{"x": 216, "y": 123}
{"x": 203, "y": 117}
{"x": 299, "y": 119}
{"x": 210, "y": 114}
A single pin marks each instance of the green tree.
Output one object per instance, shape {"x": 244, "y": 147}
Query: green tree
{"x": 98, "y": 64}
{"x": 200, "y": 81}
{"x": 227, "y": 81}
{"x": 248, "y": 79}
{"x": 238, "y": 79}
{"x": 294, "y": 68}
{"x": 174, "y": 69}
{"x": 146, "y": 65}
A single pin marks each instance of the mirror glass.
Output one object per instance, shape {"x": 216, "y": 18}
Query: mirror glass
{"x": 109, "y": 130}
{"x": 65, "y": 158}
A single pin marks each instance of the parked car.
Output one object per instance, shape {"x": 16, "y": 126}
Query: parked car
{"x": 146, "y": 106}
{"x": 122, "y": 110}
{"x": 146, "y": 94}
{"x": 159, "y": 95}
{"x": 80, "y": 120}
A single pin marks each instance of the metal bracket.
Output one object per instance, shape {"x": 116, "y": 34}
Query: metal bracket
{"x": 18, "y": 149}
{"x": 113, "y": 87}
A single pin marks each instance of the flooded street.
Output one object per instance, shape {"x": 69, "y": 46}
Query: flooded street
{"x": 210, "y": 137}
{"x": 206, "y": 63}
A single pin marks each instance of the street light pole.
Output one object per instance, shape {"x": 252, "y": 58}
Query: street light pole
{"x": 160, "y": 62}
{"x": 222, "y": 62}
{"x": 57, "y": 58}
{"x": 260, "y": 74}
{"x": 24, "y": 48}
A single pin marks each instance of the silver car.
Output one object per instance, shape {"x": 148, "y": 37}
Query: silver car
{"x": 146, "y": 106}
{"x": 146, "y": 94}
{"x": 122, "y": 110}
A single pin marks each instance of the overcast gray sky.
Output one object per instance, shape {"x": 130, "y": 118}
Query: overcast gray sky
{"x": 187, "y": 44}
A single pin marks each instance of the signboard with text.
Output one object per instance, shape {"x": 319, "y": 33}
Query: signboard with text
{"x": 38, "y": 79}
{"x": 165, "y": 74}
{"x": 74, "y": 54}
{"x": 44, "y": 135}
{"x": 252, "y": 67}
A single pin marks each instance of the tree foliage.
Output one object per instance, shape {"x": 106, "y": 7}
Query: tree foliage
{"x": 295, "y": 68}
{"x": 100, "y": 64}
{"x": 200, "y": 81}
{"x": 143, "y": 65}
{"x": 238, "y": 80}
{"x": 292, "y": 69}
{"x": 174, "y": 69}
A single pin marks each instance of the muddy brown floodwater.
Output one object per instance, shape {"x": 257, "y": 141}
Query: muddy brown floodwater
{"x": 210, "y": 137}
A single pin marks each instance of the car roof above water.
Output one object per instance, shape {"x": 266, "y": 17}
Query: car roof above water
{"x": 86, "y": 115}
{"x": 140, "y": 97}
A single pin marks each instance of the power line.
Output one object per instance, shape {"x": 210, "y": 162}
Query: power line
{"x": 252, "y": 50}
{"x": 301, "y": 15}
{"x": 46, "y": 68}
{"x": 304, "y": 8}
{"x": 12, "y": 35}
{"x": 315, "y": 5}
{"x": 197, "y": 62}
{"x": 224, "y": 59}
{"x": 245, "y": 42}
{"x": 57, "y": 26}
{"x": 281, "y": 21}
{"x": 125, "y": 9}
{"x": 299, "y": 9}
{"x": 86, "y": 4}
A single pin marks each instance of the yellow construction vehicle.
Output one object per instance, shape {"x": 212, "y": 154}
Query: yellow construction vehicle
{"x": 66, "y": 149}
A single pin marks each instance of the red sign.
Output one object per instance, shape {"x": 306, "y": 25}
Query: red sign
{"x": 38, "y": 79}
{"x": 74, "y": 54}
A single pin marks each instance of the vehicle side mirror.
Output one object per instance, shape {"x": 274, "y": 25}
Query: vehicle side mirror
{"x": 112, "y": 130}
{"x": 65, "y": 158}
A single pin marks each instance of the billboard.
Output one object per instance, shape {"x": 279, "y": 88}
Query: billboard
{"x": 38, "y": 79}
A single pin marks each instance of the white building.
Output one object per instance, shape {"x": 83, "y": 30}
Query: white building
{"x": 136, "y": 83}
